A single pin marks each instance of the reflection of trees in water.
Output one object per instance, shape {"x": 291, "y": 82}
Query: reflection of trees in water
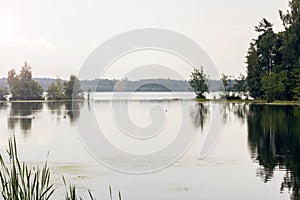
{"x": 241, "y": 110}
{"x": 66, "y": 109}
{"x": 230, "y": 110}
{"x": 274, "y": 141}
{"x": 55, "y": 108}
{"x": 199, "y": 114}
{"x": 23, "y": 113}
{"x": 3, "y": 105}
{"x": 73, "y": 110}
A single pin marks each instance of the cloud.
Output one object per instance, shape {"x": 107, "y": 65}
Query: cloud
{"x": 39, "y": 43}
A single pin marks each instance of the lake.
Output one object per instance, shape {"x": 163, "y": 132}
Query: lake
{"x": 215, "y": 150}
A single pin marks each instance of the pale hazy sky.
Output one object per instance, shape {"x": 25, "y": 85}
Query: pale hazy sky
{"x": 56, "y": 36}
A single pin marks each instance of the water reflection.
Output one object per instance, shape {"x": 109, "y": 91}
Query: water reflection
{"x": 199, "y": 113}
{"x": 230, "y": 110}
{"x": 65, "y": 109}
{"x": 273, "y": 131}
{"x": 274, "y": 141}
{"x": 55, "y": 108}
{"x": 3, "y": 105}
{"x": 23, "y": 113}
{"x": 73, "y": 110}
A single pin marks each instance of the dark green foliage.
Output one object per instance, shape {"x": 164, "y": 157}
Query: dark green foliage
{"x": 274, "y": 86}
{"x": 253, "y": 73}
{"x": 240, "y": 86}
{"x": 234, "y": 88}
{"x": 273, "y": 59}
{"x": 227, "y": 86}
{"x": 296, "y": 80}
{"x": 72, "y": 88}
{"x": 20, "y": 182}
{"x": 22, "y": 87}
{"x": 65, "y": 90}
{"x": 3, "y": 93}
{"x": 55, "y": 90}
{"x": 198, "y": 81}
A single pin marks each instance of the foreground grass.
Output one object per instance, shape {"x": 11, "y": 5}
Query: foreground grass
{"x": 21, "y": 182}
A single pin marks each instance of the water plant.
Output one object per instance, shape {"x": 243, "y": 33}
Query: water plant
{"x": 20, "y": 181}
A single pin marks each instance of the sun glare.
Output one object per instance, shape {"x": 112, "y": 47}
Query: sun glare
{"x": 6, "y": 21}
{"x": 4, "y": 27}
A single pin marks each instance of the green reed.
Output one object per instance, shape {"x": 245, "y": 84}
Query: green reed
{"x": 21, "y": 182}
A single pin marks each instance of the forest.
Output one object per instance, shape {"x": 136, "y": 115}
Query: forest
{"x": 273, "y": 59}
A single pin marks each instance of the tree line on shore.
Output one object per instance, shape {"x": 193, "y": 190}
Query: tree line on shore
{"x": 273, "y": 63}
{"x": 231, "y": 88}
{"x": 273, "y": 59}
{"x": 23, "y": 87}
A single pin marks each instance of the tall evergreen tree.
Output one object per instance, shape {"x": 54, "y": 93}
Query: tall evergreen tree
{"x": 253, "y": 73}
{"x": 273, "y": 59}
{"x": 291, "y": 47}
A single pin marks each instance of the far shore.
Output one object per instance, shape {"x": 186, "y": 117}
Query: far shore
{"x": 41, "y": 101}
{"x": 263, "y": 102}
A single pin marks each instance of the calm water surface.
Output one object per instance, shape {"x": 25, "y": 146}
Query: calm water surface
{"x": 256, "y": 157}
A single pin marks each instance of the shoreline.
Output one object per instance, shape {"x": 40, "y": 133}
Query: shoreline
{"x": 40, "y": 101}
{"x": 258, "y": 102}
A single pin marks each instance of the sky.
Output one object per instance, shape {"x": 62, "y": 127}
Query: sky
{"x": 56, "y": 37}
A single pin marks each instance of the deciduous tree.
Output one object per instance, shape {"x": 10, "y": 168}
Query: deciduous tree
{"x": 198, "y": 81}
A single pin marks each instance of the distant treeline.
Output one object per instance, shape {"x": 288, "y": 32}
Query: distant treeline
{"x": 22, "y": 86}
{"x": 144, "y": 85}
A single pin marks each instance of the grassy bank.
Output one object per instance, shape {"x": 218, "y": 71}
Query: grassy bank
{"x": 250, "y": 101}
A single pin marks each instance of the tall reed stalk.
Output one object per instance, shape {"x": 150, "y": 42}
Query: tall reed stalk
{"x": 21, "y": 182}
